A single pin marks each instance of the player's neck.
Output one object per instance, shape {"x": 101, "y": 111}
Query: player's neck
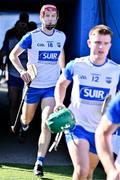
{"x": 46, "y": 31}
{"x": 97, "y": 60}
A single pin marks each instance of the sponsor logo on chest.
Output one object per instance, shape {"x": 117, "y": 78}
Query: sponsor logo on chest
{"x": 48, "y": 55}
{"x": 93, "y": 93}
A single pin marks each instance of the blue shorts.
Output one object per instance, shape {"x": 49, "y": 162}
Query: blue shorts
{"x": 35, "y": 95}
{"x": 15, "y": 81}
{"x": 80, "y": 133}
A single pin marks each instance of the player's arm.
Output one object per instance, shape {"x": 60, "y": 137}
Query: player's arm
{"x": 63, "y": 82}
{"x": 103, "y": 143}
{"x": 62, "y": 60}
{"x": 60, "y": 91}
{"x": 14, "y": 57}
{"x": 105, "y": 103}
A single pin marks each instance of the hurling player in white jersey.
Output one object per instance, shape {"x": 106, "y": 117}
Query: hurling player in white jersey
{"x": 108, "y": 125}
{"x": 94, "y": 77}
{"x": 45, "y": 51}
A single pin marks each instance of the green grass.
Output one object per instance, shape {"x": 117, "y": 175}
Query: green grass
{"x": 25, "y": 172}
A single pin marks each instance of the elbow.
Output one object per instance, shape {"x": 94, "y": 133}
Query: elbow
{"x": 11, "y": 56}
{"x": 99, "y": 135}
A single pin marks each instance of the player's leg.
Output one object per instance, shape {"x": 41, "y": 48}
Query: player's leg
{"x": 78, "y": 146}
{"x": 92, "y": 154}
{"x": 47, "y": 106}
{"x": 79, "y": 150}
{"x": 28, "y": 111}
{"x": 93, "y": 164}
{"x": 30, "y": 104}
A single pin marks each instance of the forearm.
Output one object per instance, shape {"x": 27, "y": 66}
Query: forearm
{"x": 62, "y": 60}
{"x": 14, "y": 58}
{"x": 17, "y": 64}
{"x": 104, "y": 149}
{"x": 60, "y": 93}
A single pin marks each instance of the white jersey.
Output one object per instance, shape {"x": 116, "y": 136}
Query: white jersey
{"x": 91, "y": 84}
{"x": 44, "y": 51}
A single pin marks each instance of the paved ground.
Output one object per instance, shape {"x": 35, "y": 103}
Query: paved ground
{"x": 11, "y": 151}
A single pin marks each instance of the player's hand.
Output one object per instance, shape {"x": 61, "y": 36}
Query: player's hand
{"x": 113, "y": 175}
{"x": 58, "y": 107}
{"x": 25, "y": 76}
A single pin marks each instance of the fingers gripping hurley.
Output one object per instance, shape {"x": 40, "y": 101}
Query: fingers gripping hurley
{"x": 33, "y": 73}
{"x": 61, "y": 120}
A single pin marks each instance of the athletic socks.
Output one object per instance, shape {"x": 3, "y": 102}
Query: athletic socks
{"x": 40, "y": 160}
{"x": 24, "y": 126}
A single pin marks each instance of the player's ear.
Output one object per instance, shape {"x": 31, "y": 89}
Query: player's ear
{"x": 41, "y": 17}
{"x": 89, "y": 43}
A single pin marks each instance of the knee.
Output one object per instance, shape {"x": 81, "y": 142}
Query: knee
{"x": 81, "y": 172}
{"x": 24, "y": 120}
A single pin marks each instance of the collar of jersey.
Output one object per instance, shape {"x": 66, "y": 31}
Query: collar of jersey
{"x": 46, "y": 33}
{"x": 99, "y": 65}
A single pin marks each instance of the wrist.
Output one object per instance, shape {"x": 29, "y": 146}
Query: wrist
{"x": 21, "y": 71}
{"x": 62, "y": 70}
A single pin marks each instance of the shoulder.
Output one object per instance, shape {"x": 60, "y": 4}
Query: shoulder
{"x": 31, "y": 33}
{"x": 60, "y": 32}
{"x": 82, "y": 60}
{"x": 112, "y": 63}
{"x": 35, "y": 31}
{"x": 79, "y": 60}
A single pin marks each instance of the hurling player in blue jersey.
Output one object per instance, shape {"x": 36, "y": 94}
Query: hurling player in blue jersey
{"x": 45, "y": 50}
{"x": 108, "y": 125}
{"x": 94, "y": 77}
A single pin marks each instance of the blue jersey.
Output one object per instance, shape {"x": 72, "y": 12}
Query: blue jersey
{"x": 113, "y": 109}
{"x": 113, "y": 114}
{"x": 91, "y": 84}
{"x": 43, "y": 51}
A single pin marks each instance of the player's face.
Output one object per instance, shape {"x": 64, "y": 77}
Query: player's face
{"x": 99, "y": 45}
{"x": 49, "y": 19}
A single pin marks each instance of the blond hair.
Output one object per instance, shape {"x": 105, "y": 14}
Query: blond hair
{"x": 101, "y": 29}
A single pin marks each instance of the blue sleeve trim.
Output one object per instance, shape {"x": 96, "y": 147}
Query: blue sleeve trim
{"x": 68, "y": 72}
{"x": 113, "y": 110}
{"x": 26, "y": 41}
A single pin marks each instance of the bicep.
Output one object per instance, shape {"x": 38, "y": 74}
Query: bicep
{"x": 17, "y": 50}
{"x": 62, "y": 55}
{"x": 63, "y": 82}
{"x": 62, "y": 59}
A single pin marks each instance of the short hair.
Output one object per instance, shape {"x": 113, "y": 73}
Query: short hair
{"x": 101, "y": 29}
{"x": 48, "y": 7}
